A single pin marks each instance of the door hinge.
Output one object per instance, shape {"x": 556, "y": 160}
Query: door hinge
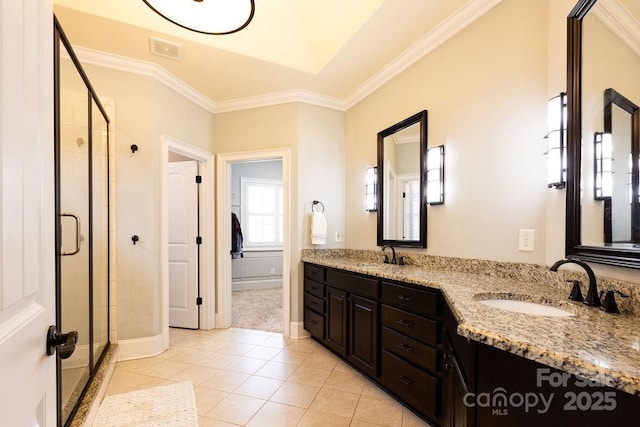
{"x": 198, "y": 240}
{"x": 198, "y": 179}
{"x": 199, "y": 301}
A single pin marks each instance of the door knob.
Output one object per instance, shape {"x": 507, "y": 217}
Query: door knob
{"x": 64, "y": 343}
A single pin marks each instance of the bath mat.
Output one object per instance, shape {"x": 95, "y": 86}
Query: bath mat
{"x": 169, "y": 405}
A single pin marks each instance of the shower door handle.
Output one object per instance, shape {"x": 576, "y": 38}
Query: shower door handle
{"x": 65, "y": 344}
{"x": 78, "y": 238}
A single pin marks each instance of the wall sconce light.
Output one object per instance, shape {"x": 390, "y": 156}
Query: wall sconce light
{"x": 603, "y": 166}
{"x": 371, "y": 190}
{"x": 214, "y": 17}
{"x": 556, "y": 141}
{"x": 435, "y": 175}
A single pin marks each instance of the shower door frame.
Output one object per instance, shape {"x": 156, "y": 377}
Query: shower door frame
{"x": 60, "y": 37}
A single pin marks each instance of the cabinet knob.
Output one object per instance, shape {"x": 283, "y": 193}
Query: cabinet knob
{"x": 405, "y": 380}
{"x": 405, "y": 297}
{"x": 404, "y": 322}
{"x": 405, "y": 347}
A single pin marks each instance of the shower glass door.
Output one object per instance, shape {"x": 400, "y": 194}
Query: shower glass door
{"x": 82, "y": 211}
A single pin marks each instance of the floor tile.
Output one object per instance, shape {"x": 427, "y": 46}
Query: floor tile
{"x": 276, "y": 415}
{"x": 235, "y": 409}
{"x": 225, "y": 380}
{"x": 165, "y": 369}
{"x": 258, "y": 387}
{"x": 304, "y": 345}
{"x": 246, "y": 365}
{"x": 138, "y": 365}
{"x": 372, "y": 390}
{"x": 124, "y": 382}
{"x": 194, "y": 373}
{"x": 335, "y": 402}
{"x": 207, "y": 398}
{"x": 236, "y": 348}
{"x": 343, "y": 381}
{"x": 322, "y": 419}
{"x": 264, "y": 353}
{"x": 217, "y": 360}
{"x": 409, "y": 419}
{"x": 276, "y": 370}
{"x": 309, "y": 376}
{"x": 208, "y": 422}
{"x": 386, "y": 412}
{"x": 295, "y": 394}
{"x": 290, "y": 356}
{"x": 321, "y": 360}
{"x": 276, "y": 342}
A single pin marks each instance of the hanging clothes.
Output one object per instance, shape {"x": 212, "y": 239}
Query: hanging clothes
{"x": 236, "y": 237}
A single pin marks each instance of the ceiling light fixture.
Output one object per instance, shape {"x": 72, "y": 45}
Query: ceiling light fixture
{"x": 216, "y": 17}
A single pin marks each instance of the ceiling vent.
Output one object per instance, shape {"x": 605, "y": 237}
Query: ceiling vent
{"x": 165, "y": 49}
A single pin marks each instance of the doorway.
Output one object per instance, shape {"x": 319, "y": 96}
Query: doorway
{"x": 203, "y": 239}
{"x": 225, "y": 208}
{"x": 256, "y": 250}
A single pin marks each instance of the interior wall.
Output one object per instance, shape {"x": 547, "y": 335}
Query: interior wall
{"x": 484, "y": 90}
{"x": 146, "y": 109}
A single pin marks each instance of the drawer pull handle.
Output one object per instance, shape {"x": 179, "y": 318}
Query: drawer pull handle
{"x": 405, "y": 298}
{"x": 313, "y": 322}
{"x": 404, "y": 322}
{"x": 405, "y": 347}
{"x": 405, "y": 380}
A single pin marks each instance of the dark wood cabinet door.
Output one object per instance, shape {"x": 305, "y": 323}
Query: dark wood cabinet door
{"x": 454, "y": 411}
{"x": 336, "y": 330}
{"x": 363, "y": 334}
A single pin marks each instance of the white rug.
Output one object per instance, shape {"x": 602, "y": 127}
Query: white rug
{"x": 170, "y": 405}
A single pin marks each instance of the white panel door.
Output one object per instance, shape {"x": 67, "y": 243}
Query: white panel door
{"x": 27, "y": 240}
{"x": 183, "y": 250}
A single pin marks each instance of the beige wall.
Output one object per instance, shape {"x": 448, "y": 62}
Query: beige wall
{"x": 144, "y": 110}
{"x": 315, "y": 136}
{"x": 485, "y": 93}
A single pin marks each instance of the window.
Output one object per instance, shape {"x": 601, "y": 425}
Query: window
{"x": 261, "y": 208}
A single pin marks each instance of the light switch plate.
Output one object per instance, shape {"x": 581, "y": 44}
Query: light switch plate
{"x": 338, "y": 238}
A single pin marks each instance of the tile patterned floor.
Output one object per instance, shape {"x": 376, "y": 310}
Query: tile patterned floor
{"x": 255, "y": 378}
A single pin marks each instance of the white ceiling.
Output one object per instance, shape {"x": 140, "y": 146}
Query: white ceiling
{"x": 342, "y": 49}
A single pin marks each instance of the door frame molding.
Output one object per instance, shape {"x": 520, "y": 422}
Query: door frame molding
{"x": 207, "y": 231}
{"x": 224, "y": 162}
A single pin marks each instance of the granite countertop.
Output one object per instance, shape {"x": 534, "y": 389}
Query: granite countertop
{"x": 595, "y": 345}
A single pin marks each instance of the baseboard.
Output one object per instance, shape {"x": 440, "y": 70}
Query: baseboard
{"x": 245, "y": 285}
{"x": 298, "y": 331}
{"x": 138, "y": 348}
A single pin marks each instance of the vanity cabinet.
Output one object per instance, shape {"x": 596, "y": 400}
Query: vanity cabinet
{"x": 352, "y": 319}
{"x": 410, "y": 346}
{"x": 315, "y": 301}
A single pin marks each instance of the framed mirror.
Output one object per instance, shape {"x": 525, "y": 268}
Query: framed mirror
{"x": 603, "y": 91}
{"x": 402, "y": 213}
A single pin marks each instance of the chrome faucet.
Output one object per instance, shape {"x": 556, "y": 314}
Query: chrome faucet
{"x": 593, "y": 298}
{"x": 386, "y": 257}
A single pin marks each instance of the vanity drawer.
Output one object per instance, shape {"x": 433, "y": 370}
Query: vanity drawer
{"x": 421, "y": 355}
{"x": 314, "y": 323}
{"x": 353, "y": 283}
{"x": 314, "y": 288}
{"x": 416, "y": 301}
{"x": 414, "y": 386}
{"x": 425, "y": 330}
{"x": 319, "y": 274}
{"x": 314, "y": 303}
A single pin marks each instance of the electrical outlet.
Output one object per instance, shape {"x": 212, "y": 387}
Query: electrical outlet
{"x": 273, "y": 270}
{"x": 338, "y": 238}
{"x": 526, "y": 241}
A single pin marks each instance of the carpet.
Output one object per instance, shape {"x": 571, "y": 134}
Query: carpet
{"x": 169, "y": 405}
{"x": 259, "y": 309}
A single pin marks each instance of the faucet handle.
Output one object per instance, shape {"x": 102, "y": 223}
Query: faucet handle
{"x": 386, "y": 259}
{"x": 576, "y": 292}
{"x": 401, "y": 260}
{"x": 609, "y": 304}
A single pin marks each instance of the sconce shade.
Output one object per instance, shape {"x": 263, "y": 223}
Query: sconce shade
{"x": 603, "y": 166}
{"x": 371, "y": 190}
{"x": 435, "y": 175}
{"x": 214, "y": 17}
{"x": 556, "y": 141}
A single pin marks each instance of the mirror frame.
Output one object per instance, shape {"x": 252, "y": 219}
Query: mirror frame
{"x": 420, "y": 117}
{"x": 574, "y": 249}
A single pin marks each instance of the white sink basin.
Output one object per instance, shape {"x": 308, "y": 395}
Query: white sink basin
{"x": 526, "y": 307}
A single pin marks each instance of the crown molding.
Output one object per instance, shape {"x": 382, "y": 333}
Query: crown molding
{"x": 456, "y": 22}
{"x": 150, "y": 69}
{"x": 620, "y": 21}
{"x": 144, "y": 68}
{"x": 287, "y": 97}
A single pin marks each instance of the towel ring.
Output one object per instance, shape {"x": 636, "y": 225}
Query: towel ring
{"x": 317, "y": 202}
